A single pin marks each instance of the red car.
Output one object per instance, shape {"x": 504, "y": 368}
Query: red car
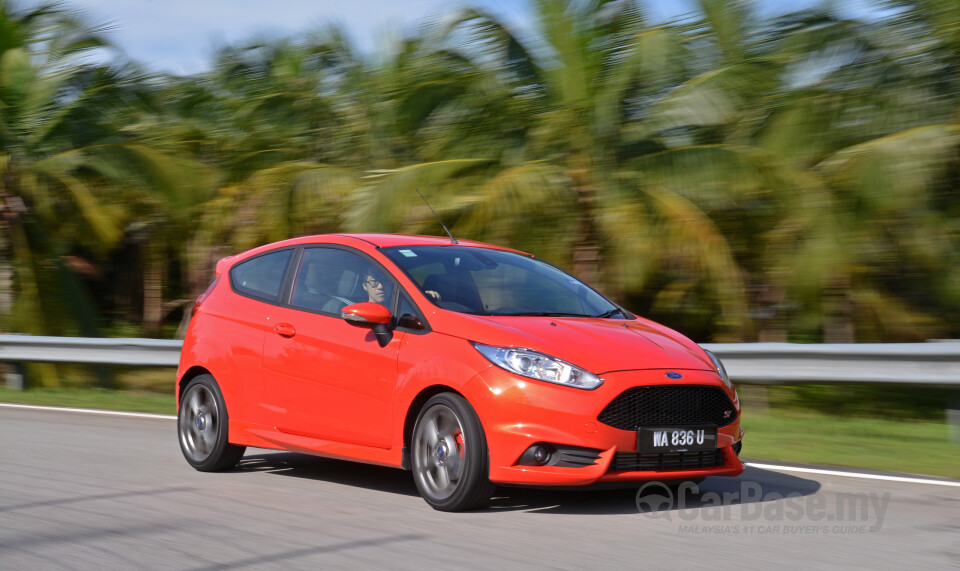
{"x": 470, "y": 364}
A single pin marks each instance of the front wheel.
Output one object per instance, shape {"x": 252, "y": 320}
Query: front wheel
{"x": 450, "y": 463}
{"x": 202, "y": 427}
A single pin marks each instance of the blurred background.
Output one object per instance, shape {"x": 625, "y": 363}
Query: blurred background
{"x": 736, "y": 173}
{"x": 769, "y": 171}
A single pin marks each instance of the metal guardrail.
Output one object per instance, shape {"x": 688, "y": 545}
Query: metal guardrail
{"x": 92, "y": 351}
{"x": 930, "y": 364}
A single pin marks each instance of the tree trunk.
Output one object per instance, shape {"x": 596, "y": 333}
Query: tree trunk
{"x": 156, "y": 268}
{"x": 586, "y": 249}
{"x": 768, "y": 313}
{"x": 201, "y": 265}
{"x": 838, "y": 324}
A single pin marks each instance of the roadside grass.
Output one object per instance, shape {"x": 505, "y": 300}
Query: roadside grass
{"x": 772, "y": 433}
{"x": 133, "y": 401}
{"x": 916, "y": 447}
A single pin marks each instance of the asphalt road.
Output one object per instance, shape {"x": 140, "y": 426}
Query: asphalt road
{"x": 81, "y": 492}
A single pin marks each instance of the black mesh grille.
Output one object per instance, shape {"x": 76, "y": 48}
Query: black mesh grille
{"x": 665, "y": 462}
{"x": 669, "y": 405}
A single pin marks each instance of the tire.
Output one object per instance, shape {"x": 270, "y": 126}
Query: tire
{"x": 450, "y": 462}
{"x": 202, "y": 427}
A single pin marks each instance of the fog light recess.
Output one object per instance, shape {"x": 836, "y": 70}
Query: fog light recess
{"x": 537, "y": 455}
{"x": 543, "y": 454}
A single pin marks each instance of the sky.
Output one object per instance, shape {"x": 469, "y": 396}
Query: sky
{"x": 181, "y": 36}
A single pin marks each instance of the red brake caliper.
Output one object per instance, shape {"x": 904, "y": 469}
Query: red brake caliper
{"x": 458, "y": 439}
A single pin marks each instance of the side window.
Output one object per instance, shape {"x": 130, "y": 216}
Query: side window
{"x": 329, "y": 279}
{"x": 261, "y": 277}
{"x": 406, "y": 307}
{"x": 408, "y": 317}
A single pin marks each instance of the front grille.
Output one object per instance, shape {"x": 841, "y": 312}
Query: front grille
{"x": 669, "y": 406}
{"x": 665, "y": 462}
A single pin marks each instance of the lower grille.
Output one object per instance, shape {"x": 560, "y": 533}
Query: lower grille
{"x": 669, "y": 405}
{"x": 576, "y": 457}
{"x": 665, "y": 462}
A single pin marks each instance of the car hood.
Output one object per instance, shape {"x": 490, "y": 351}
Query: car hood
{"x": 598, "y": 345}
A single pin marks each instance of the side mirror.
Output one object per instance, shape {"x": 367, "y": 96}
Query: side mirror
{"x": 410, "y": 321}
{"x": 373, "y": 314}
{"x": 367, "y": 312}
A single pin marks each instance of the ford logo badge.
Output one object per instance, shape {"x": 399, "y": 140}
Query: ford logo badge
{"x": 673, "y": 375}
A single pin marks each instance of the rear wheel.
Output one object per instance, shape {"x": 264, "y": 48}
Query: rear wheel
{"x": 450, "y": 464}
{"x": 202, "y": 425}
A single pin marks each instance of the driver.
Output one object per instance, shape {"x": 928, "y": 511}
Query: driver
{"x": 374, "y": 287}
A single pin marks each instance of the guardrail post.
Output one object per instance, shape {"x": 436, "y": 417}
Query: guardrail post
{"x": 13, "y": 376}
{"x": 105, "y": 375}
{"x": 953, "y": 417}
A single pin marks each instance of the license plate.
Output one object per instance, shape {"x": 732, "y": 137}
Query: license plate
{"x": 676, "y": 439}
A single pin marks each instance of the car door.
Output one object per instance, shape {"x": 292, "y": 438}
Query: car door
{"x": 326, "y": 377}
{"x": 236, "y": 327}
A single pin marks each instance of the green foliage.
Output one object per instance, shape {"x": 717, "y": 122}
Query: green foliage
{"x": 861, "y": 401}
{"x": 738, "y": 178}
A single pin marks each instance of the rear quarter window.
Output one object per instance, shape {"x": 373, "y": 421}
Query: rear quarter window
{"x": 261, "y": 277}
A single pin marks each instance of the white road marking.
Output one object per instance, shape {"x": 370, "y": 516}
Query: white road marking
{"x": 776, "y": 467}
{"x": 89, "y": 411}
{"x": 854, "y": 475}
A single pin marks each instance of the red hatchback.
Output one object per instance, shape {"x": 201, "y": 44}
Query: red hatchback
{"x": 470, "y": 364}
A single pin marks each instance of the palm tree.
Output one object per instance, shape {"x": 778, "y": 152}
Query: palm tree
{"x": 45, "y": 179}
{"x": 286, "y": 137}
{"x": 866, "y": 214}
{"x": 846, "y": 168}
{"x": 748, "y": 178}
{"x": 71, "y": 178}
{"x": 558, "y": 171}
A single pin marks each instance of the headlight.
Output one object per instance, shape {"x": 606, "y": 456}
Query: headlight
{"x": 720, "y": 368}
{"x": 539, "y": 366}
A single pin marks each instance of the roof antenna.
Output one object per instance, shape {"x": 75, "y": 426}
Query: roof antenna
{"x": 452, "y": 239}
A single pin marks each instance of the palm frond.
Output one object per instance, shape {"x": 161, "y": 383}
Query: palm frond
{"x": 714, "y": 97}
{"x": 389, "y": 200}
{"x": 894, "y": 172}
{"x": 93, "y": 213}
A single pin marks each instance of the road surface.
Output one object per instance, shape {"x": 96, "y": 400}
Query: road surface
{"x": 82, "y": 491}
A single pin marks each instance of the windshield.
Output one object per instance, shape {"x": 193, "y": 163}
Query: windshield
{"x": 491, "y": 282}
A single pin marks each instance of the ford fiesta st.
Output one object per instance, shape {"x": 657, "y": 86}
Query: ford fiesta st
{"x": 469, "y": 364}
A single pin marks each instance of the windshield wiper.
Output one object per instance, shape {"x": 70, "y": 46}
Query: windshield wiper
{"x": 541, "y": 314}
{"x": 610, "y": 313}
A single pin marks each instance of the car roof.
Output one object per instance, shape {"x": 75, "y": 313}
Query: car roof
{"x": 393, "y": 240}
{"x": 371, "y": 239}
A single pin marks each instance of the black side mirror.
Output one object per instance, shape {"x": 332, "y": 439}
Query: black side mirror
{"x": 383, "y": 334}
{"x": 410, "y": 321}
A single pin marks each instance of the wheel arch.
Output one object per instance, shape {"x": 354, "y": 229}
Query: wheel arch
{"x": 413, "y": 411}
{"x": 192, "y": 373}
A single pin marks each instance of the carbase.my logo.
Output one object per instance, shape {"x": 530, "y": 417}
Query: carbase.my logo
{"x": 655, "y": 498}
{"x": 858, "y": 512}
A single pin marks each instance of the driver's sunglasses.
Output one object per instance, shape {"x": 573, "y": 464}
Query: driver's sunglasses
{"x": 373, "y": 283}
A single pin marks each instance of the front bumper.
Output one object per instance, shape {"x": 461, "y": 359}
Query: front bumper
{"x": 517, "y": 413}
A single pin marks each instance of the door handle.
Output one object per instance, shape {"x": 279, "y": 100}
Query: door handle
{"x": 284, "y": 330}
